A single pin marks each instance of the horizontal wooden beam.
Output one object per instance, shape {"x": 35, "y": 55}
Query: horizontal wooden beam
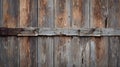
{"x": 32, "y": 31}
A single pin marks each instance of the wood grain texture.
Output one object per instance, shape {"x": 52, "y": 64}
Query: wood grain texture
{"x": 98, "y": 13}
{"x": 9, "y": 48}
{"x": 45, "y": 52}
{"x": 45, "y": 44}
{"x": 9, "y": 52}
{"x": 99, "y": 46}
{"x": 1, "y": 12}
{"x": 80, "y": 45}
{"x": 45, "y": 13}
{"x": 114, "y": 42}
{"x": 79, "y": 52}
{"x": 62, "y": 13}
{"x": 62, "y": 44}
{"x": 113, "y": 60}
{"x": 80, "y": 13}
{"x": 62, "y": 52}
{"x": 1, "y": 38}
{"x": 28, "y": 45}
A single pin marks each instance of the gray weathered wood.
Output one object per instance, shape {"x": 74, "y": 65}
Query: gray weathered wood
{"x": 80, "y": 19}
{"x": 59, "y": 33}
{"x": 28, "y": 45}
{"x": 9, "y": 55}
{"x": 61, "y": 44}
{"x": 45, "y": 44}
{"x": 99, "y": 51}
{"x": 31, "y": 31}
{"x": 114, "y": 42}
{"x": 80, "y": 46}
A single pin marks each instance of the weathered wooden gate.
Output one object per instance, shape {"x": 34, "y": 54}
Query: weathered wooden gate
{"x": 59, "y": 33}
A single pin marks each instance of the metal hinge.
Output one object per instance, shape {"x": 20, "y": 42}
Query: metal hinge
{"x": 36, "y": 31}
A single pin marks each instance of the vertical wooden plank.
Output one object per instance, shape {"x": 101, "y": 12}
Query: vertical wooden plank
{"x": 45, "y": 13}
{"x": 45, "y": 44}
{"x": 45, "y": 52}
{"x": 1, "y": 38}
{"x": 114, "y": 42}
{"x": 80, "y": 45}
{"x": 118, "y": 54}
{"x": 98, "y": 13}
{"x": 62, "y": 44}
{"x": 80, "y": 13}
{"x": 113, "y": 52}
{"x": 1, "y": 13}
{"x": 62, "y": 52}
{"x": 99, "y": 46}
{"x": 79, "y": 52}
{"x": 113, "y": 15}
{"x": 99, "y": 52}
{"x": 28, "y": 45}
{"x": 62, "y": 13}
{"x": 9, "y": 54}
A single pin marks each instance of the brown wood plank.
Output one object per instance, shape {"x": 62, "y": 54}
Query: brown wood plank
{"x": 1, "y": 55}
{"x": 113, "y": 60}
{"x": 45, "y": 52}
{"x": 1, "y": 12}
{"x": 80, "y": 45}
{"x": 62, "y": 52}
{"x": 99, "y": 51}
{"x": 80, "y": 13}
{"x": 45, "y": 44}
{"x": 79, "y": 52}
{"x": 98, "y": 13}
{"x": 28, "y": 45}
{"x": 62, "y": 44}
{"x": 114, "y": 42}
{"x": 9, "y": 50}
{"x": 62, "y": 14}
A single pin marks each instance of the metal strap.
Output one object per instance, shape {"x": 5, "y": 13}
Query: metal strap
{"x": 32, "y": 31}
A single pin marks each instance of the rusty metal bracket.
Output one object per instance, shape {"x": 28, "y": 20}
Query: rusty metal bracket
{"x": 35, "y": 31}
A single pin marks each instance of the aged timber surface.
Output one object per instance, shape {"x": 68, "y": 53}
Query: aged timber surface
{"x": 98, "y": 45}
{"x": 59, "y": 33}
{"x": 45, "y": 44}
{"x": 62, "y": 44}
{"x": 114, "y": 42}
{"x": 28, "y": 45}
{"x": 9, "y": 49}
{"x": 34, "y": 31}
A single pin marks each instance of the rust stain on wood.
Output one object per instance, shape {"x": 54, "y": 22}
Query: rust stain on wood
{"x": 9, "y": 52}
{"x": 24, "y": 12}
{"x": 61, "y": 51}
{"x": 8, "y": 19}
{"x": 77, "y": 13}
{"x": 98, "y": 21}
{"x": 62, "y": 20}
{"x": 25, "y": 52}
{"x": 43, "y": 12}
{"x": 61, "y": 43}
{"x": 100, "y": 49}
{"x": 61, "y": 15}
{"x": 99, "y": 17}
